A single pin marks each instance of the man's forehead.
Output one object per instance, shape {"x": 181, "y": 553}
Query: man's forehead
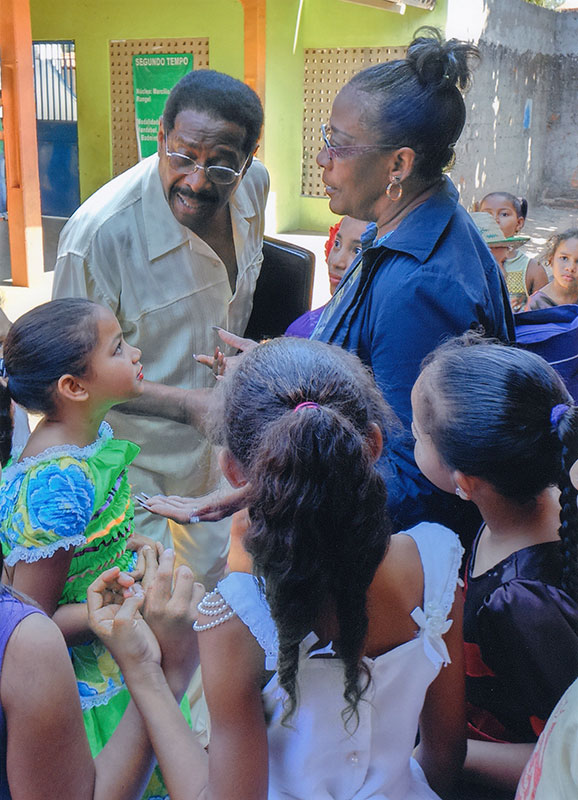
{"x": 194, "y": 127}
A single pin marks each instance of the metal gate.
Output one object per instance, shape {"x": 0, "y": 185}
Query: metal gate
{"x": 57, "y": 130}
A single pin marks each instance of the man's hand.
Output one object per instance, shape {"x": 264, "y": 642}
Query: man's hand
{"x": 220, "y": 363}
{"x": 209, "y": 508}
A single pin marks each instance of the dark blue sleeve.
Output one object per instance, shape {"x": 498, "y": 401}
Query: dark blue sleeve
{"x": 407, "y": 321}
{"x": 528, "y": 635}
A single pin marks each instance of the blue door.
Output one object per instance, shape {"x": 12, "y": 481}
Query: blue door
{"x": 56, "y": 125}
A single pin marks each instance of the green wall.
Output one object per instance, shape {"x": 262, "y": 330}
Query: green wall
{"x": 92, "y": 23}
{"x": 324, "y": 23}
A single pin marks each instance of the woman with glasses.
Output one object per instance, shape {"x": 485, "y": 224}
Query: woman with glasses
{"x": 424, "y": 273}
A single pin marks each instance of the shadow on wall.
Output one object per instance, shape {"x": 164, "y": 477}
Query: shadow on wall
{"x": 521, "y": 108}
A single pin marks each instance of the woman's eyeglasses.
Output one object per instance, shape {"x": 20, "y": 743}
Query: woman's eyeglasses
{"x": 346, "y": 151}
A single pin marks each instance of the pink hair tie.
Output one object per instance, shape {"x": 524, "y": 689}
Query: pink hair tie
{"x": 307, "y": 404}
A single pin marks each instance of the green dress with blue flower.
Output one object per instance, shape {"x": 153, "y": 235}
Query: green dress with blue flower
{"x": 78, "y": 497}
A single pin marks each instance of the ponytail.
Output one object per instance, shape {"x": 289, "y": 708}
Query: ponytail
{"x": 567, "y": 430}
{"x": 6, "y": 423}
{"x": 299, "y": 418}
{"x": 318, "y": 532}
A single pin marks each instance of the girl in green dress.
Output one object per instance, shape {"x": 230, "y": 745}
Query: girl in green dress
{"x": 65, "y": 508}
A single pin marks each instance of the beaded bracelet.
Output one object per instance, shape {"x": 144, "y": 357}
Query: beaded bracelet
{"x": 213, "y": 605}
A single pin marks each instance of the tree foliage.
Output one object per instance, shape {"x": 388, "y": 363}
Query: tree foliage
{"x": 552, "y": 4}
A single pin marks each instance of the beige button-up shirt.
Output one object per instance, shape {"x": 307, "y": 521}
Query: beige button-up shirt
{"x": 124, "y": 248}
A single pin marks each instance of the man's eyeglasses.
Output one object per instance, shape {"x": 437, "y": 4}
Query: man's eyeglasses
{"x": 186, "y": 166}
{"x": 346, "y": 151}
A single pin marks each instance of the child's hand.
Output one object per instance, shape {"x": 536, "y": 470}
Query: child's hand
{"x": 113, "y": 601}
{"x": 170, "y": 609}
{"x": 138, "y": 544}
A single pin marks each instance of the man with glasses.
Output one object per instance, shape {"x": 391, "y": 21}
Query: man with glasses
{"x": 174, "y": 247}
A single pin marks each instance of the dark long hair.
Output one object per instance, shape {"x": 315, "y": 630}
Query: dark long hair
{"x": 318, "y": 522}
{"x": 416, "y": 102}
{"x": 488, "y": 409}
{"x": 42, "y": 345}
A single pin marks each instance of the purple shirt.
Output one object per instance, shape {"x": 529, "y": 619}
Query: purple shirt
{"x": 12, "y": 612}
{"x": 304, "y": 325}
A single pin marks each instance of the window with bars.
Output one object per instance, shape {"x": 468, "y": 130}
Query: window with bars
{"x": 55, "y": 81}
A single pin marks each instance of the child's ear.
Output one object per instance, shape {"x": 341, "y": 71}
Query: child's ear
{"x": 465, "y": 484}
{"x": 70, "y": 388}
{"x": 520, "y": 224}
{"x": 231, "y": 469}
{"x": 375, "y": 441}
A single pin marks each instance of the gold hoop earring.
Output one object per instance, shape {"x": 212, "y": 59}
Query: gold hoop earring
{"x": 394, "y": 185}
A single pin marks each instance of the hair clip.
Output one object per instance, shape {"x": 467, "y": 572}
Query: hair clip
{"x": 3, "y": 373}
{"x": 556, "y": 415}
{"x": 307, "y": 404}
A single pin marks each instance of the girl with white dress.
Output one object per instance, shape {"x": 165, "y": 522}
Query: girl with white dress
{"x": 321, "y": 666}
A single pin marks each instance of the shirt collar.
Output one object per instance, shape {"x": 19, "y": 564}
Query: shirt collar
{"x": 162, "y": 230}
{"x": 421, "y": 230}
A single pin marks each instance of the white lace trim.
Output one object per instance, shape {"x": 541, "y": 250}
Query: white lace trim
{"x": 20, "y": 553}
{"x": 242, "y": 592}
{"x": 100, "y": 699}
{"x": 105, "y": 433}
{"x": 452, "y": 579}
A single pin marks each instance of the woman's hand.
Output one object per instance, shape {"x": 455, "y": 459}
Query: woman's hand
{"x": 170, "y": 609}
{"x": 114, "y": 601}
{"x": 209, "y": 508}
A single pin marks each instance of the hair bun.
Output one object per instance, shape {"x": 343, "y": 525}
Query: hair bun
{"x": 440, "y": 63}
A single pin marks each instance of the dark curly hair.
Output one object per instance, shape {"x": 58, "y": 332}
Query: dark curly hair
{"x": 318, "y": 521}
{"x": 487, "y": 408}
{"x": 416, "y": 102}
{"x": 220, "y": 96}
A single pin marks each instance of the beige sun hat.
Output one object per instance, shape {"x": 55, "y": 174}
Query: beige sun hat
{"x": 492, "y": 233}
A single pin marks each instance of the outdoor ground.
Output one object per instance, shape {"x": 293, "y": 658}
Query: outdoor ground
{"x": 542, "y": 222}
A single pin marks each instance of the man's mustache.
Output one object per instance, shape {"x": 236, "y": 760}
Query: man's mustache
{"x": 198, "y": 197}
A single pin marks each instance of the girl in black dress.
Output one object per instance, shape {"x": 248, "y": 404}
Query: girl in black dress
{"x": 497, "y": 426}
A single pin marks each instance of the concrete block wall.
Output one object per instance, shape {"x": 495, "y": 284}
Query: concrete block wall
{"x": 520, "y": 134}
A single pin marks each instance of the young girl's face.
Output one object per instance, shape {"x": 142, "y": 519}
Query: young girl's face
{"x": 426, "y": 456}
{"x": 115, "y": 373}
{"x": 346, "y": 246}
{"x": 564, "y": 265}
{"x": 504, "y": 213}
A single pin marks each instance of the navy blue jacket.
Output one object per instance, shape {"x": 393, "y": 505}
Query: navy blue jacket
{"x": 431, "y": 279}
